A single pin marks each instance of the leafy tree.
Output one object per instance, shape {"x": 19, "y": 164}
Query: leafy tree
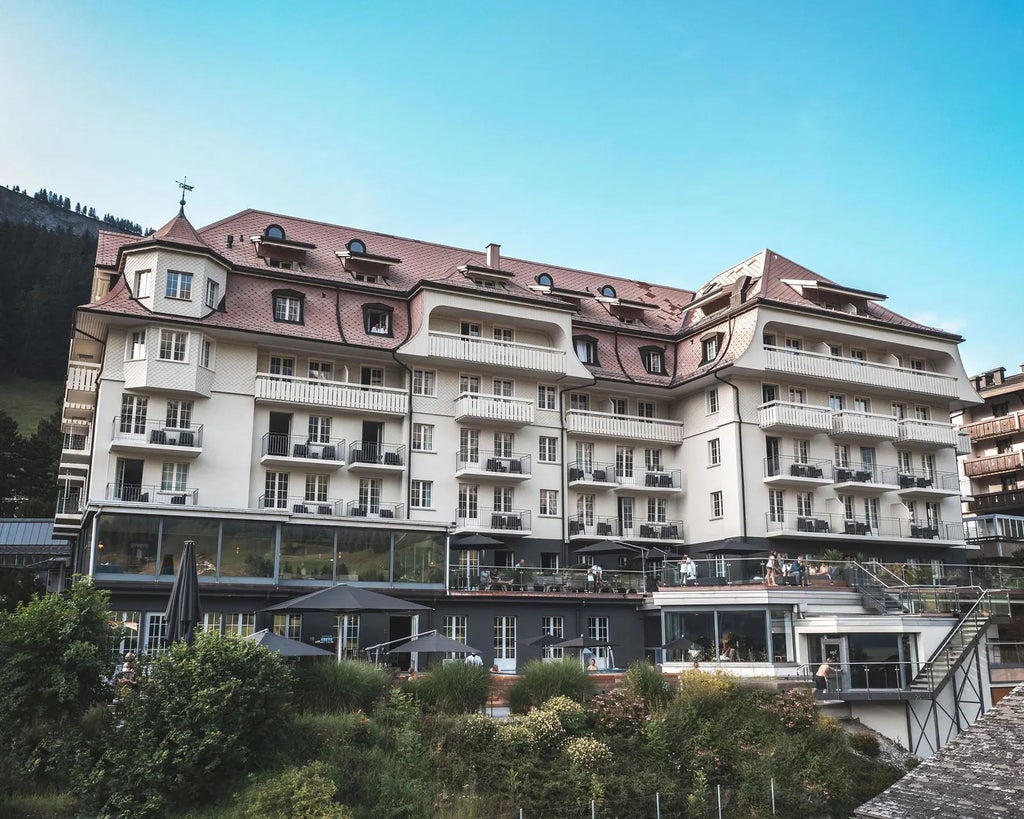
{"x": 11, "y": 447}
{"x": 17, "y": 586}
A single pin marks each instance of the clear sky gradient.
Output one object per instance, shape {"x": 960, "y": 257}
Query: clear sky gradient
{"x": 878, "y": 143}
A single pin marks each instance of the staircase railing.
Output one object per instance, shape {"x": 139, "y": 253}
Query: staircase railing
{"x": 874, "y": 592}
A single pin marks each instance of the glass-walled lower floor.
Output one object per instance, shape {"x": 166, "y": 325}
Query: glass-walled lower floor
{"x": 748, "y": 635}
{"x": 133, "y": 546}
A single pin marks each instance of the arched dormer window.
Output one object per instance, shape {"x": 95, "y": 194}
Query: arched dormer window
{"x": 289, "y": 306}
{"x": 545, "y": 280}
{"x": 377, "y": 320}
{"x": 274, "y": 232}
{"x": 607, "y": 291}
{"x": 356, "y": 246}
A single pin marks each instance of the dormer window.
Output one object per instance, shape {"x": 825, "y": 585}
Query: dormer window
{"x": 274, "y": 232}
{"x": 710, "y": 347}
{"x": 653, "y": 359}
{"x": 212, "y": 294}
{"x": 586, "y": 349}
{"x": 545, "y": 280}
{"x": 607, "y": 291}
{"x": 369, "y": 278}
{"x": 279, "y": 263}
{"x": 377, "y": 320}
{"x": 356, "y": 246}
{"x": 288, "y": 306}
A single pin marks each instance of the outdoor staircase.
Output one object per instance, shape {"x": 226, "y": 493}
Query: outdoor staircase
{"x": 874, "y": 594}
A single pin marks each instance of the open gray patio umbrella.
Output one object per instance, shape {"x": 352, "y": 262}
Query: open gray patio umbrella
{"x": 433, "y": 644}
{"x": 542, "y": 640}
{"x": 583, "y": 643}
{"x": 608, "y": 547}
{"x": 682, "y": 644}
{"x": 344, "y": 600}
{"x": 731, "y": 546}
{"x": 474, "y": 541}
{"x": 285, "y": 646}
{"x": 183, "y": 612}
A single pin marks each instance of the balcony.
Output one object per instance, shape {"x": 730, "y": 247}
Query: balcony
{"x": 926, "y": 435}
{"x": 511, "y": 355}
{"x": 136, "y": 493}
{"x": 483, "y": 520}
{"x": 786, "y": 416}
{"x": 488, "y": 464}
{"x": 662, "y": 531}
{"x": 851, "y": 371}
{"x": 279, "y": 449}
{"x": 864, "y": 426}
{"x": 657, "y": 482}
{"x": 789, "y": 471}
{"x": 338, "y": 395}
{"x": 1001, "y": 427}
{"x": 300, "y": 505}
{"x": 623, "y": 427}
{"x": 994, "y": 527}
{"x": 588, "y": 527}
{"x": 994, "y": 464}
{"x": 927, "y": 485}
{"x": 371, "y": 456}
{"x": 76, "y": 440}
{"x": 134, "y": 435}
{"x": 380, "y": 510}
{"x": 997, "y": 501}
{"x": 82, "y": 380}
{"x": 588, "y": 474}
{"x": 864, "y": 478}
{"x": 69, "y": 505}
{"x": 502, "y": 410}
{"x": 836, "y": 525}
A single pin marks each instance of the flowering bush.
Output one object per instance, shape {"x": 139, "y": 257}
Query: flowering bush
{"x": 619, "y": 713}
{"x": 588, "y": 753}
{"x": 516, "y": 738}
{"x": 794, "y": 708}
{"x": 569, "y": 712}
{"x": 544, "y": 728}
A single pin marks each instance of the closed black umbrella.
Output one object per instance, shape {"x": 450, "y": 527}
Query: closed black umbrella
{"x": 183, "y": 611}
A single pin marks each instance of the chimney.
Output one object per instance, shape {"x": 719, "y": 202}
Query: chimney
{"x": 494, "y": 256}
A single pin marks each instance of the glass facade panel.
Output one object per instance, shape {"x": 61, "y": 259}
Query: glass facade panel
{"x": 698, "y": 626}
{"x": 747, "y": 632}
{"x": 307, "y": 553}
{"x": 247, "y": 549}
{"x": 126, "y": 544}
{"x": 364, "y": 555}
{"x": 176, "y": 531}
{"x": 419, "y": 557}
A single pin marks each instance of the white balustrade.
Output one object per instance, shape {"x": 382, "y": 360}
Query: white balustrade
{"x": 795, "y": 416}
{"x": 501, "y": 408}
{"x": 497, "y": 353}
{"x": 335, "y": 394}
{"x": 606, "y": 425}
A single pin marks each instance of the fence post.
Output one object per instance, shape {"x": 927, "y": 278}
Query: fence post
{"x": 773, "y": 795}
{"x": 719, "y": 801}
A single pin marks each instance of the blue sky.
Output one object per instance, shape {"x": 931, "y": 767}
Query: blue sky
{"x": 877, "y": 143}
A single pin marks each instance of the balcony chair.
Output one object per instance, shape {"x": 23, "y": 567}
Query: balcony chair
{"x": 329, "y": 453}
{"x": 186, "y": 438}
{"x": 158, "y": 436}
{"x": 600, "y": 475}
{"x": 843, "y": 475}
{"x": 575, "y": 474}
{"x": 575, "y": 527}
{"x": 179, "y": 500}
{"x": 386, "y": 513}
{"x": 359, "y": 511}
{"x": 392, "y": 459}
{"x": 300, "y": 451}
{"x": 299, "y": 508}
{"x": 665, "y": 481}
{"x": 515, "y": 466}
{"x": 604, "y": 529}
{"x": 324, "y": 509}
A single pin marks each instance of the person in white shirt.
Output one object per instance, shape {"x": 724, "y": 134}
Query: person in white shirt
{"x": 688, "y": 571}
{"x": 475, "y": 659}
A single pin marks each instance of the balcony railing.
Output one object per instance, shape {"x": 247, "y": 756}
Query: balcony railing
{"x": 994, "y": 527}
{"x": 633, "y": 427}
{"x": 994, "y": 501}
{"x": 489, "y": 462}
{"x": 665, "y": 479}
{"x": 128, "y": 431}
{"x": 280, "y": 445}
{"x": 83, "y": 377}
{"x": 497, "y": 353}
{"x": 833, "y": 523}
{"x": 334, "y": 394}
{"x": 372, "y": 454}
{"x": 866, "y": 474}
{"x": 502, "y": 409}
{"x": 613, "y": 527}
{"x": 994, "y": 464}
{"x": 852, "y": 371}
{"x": 1000, "y": 427}
{"x": 854, "y": 424}
{"x": 787, "y": 467}
{"x": 69, "y": 504}
{"x": 481, "y": 518}
{"x": 591, "y": 472}
{"x": 76, "y": 439}
{"x": 380, "y": 510}
{"x": 927, "y": 480}
{"x": 300, "y": 505}
{"x": 787, "y": 415}
{"x": 136, "y": 493}
{"x": 927, "y": 434}
{"x": 536, "y": 579}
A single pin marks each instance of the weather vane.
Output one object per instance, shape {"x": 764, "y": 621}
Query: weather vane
{"x": 184, "y": 187}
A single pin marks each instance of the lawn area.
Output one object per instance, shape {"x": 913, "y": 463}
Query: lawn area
{"x": 28, "y": 401}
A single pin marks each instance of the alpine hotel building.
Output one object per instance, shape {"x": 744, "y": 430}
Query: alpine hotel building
{"x": 315, "y": 404}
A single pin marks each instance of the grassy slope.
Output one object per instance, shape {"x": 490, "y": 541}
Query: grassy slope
{"x": 28, "y": 401}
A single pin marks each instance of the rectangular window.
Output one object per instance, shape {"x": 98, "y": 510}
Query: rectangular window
{"x": 319, "y": 429}
{"x": 275, "y": 490}
{"x": 712, "y": 400}
{"x": 505, "y": 638}
{"x": 899, "y": 411}
{"x": 620, "y": 407}
{"x": 133, "y": 414}
{"x": 320, "y": 370}
{"x": 469, "y": 383}
{"x": 645, "y": 409}
{"x": 377, "y": 321}
{"x": 579, "y": 401}
{"x": 768, "y": 339}
{"x": 598, "y": 629}
{"x": 179, "y": 414}
{"x": 470, "y": 329}
{"x": 548, "y": 451}
{"x": 917, "y": 364}
{"x": 421, "y": 494}
{"x": 506, "y": 334}
{"x": 502, "y": 387}
{"x": 205, "y": 353}
{"x": 652, "y": 460}
{"x": 797, "y": 395}
{"x": 288, "y": 625}
{"x": 173, "y": 345}
{"x": 714, "y": 452}
{"x": 794, "y": 344}
{"x": 469, "y": 445}
{"x": 624, "y": 461}
{"x": 240, "y": 624}
{"x": 174, "y": 477}
{"x": 423, "y": 437}
{"x": 548, "y": 502}
{"x": 424, "y": 382}
{"x": 657, "y": 510}
{"x": 717, "y": 506}
{"x": 371, "y": 376}
{"x": 769, "y": 393}
{"x": 842, "y": 455}
{"x": 801, "y": 450}
{"x": 654, "y": 361}
{"x": 586, "y": 350}
{"x": 709, "y": 349}
{"x": 136, "y": 347}
{"x": 179, "y": 285}
{"x": 280, "y": 365}
{"x": 585, "y": 509}
{"x": 553, "y": 626}
{"x": 504, "y": 496}
{"x": 922, "y": 413}
{"x": 804, "y": 504}
{"x": 212, "y": 294}
{"x": 998, "y": 410}
{"x": 905, "y": 461}
{"x": 468, "y": 501}
{"x": 776, "y": 506}
{"x": 316, "y": 488}
{"x": 504, "y": 443}
{"x": 288, "y": 309}
{"x": 585, "y": 455}
{"x": 143, "y": 284}
{"x": 859, "y": 355}
{"x": 547, "y": 397}
{"x": 369, "y": 494}
{"x": 455, "y": 627}
{"x": 836, "y": 402}
{"x": 835, "y": 350}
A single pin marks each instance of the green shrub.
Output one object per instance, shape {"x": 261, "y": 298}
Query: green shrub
{"x": 295, "y": 793}
{"x": 619, "y": 713}
{"x": 454, "y": 688}
{"x": 351, "y": 685}
{"x": 570, "y": 713}
{"x": 543, "y": 679}
{"x": 40, "y": 806}
{"x": 866, "y": 744}
{"x": 206, "y": 715}
{"x": 646, "y": 681}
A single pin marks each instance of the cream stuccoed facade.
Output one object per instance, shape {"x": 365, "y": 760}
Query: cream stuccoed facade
{"x": 314, "y": 404}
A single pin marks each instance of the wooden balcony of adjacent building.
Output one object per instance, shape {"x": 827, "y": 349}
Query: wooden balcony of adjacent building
{"x": 1005, "y": 501}
{"x": 1002, "y": 426}
{"x": 497, "y": 410}
{"x": 511, "y": 355}
{"x": 130, "y": 434}
{"x": 833, "y": 370}
{"x": 994, "y": 464}
{"x": 487, "y": 464}
{"x": 338, "y": 395}
{"x": 623, "y": 427}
